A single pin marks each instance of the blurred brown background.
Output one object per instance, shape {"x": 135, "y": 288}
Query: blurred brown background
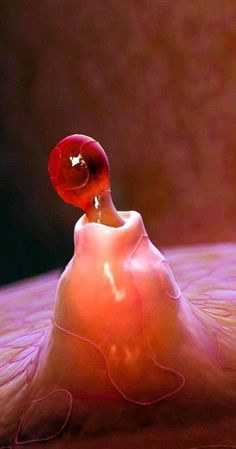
{"x": 154, "y": 81}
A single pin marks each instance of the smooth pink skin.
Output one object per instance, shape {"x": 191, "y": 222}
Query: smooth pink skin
{"x": 122, "y": 336}
{"x": 121, "y": 333}
{"x": 124, "y": 328}
{"x": 107, "y": 311}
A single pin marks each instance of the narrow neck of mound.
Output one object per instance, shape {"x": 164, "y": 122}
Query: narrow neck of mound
{"x": 102, "y": 241}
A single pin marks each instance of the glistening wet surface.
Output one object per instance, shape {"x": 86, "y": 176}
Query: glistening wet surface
{"x": 207, "y": 277}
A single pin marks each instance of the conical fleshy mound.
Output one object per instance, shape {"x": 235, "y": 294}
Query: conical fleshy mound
{"x": 122, "y": 347}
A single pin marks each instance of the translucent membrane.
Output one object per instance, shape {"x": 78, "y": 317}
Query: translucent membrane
{"x": 45, "y": 417}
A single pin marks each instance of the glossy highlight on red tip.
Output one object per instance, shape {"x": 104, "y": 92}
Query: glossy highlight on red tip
{"x": 79, "y": 170}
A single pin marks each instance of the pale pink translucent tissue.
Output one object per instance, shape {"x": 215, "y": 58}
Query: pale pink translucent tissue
{"x": 121, "y": 337}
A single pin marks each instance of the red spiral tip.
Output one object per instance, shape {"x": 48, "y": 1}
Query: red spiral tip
{"x": 79, "y": 170}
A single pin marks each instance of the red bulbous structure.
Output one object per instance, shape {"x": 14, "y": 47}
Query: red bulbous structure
{"x": 122, "y": 347}
{"x": 79, "y": 170}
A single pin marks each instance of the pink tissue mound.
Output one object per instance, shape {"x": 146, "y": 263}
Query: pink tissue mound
{"x": 124, "y": 352}
{"x": 62, "y": 377}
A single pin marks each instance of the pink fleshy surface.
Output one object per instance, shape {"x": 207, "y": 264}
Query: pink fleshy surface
{"x": 210, "y": 285}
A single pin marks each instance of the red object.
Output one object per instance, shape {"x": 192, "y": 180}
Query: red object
{"x": 79, "y": 170}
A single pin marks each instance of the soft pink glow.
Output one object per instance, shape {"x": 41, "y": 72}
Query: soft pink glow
{"x": 121, "y": 335}
{"x": 203, "y": 274}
